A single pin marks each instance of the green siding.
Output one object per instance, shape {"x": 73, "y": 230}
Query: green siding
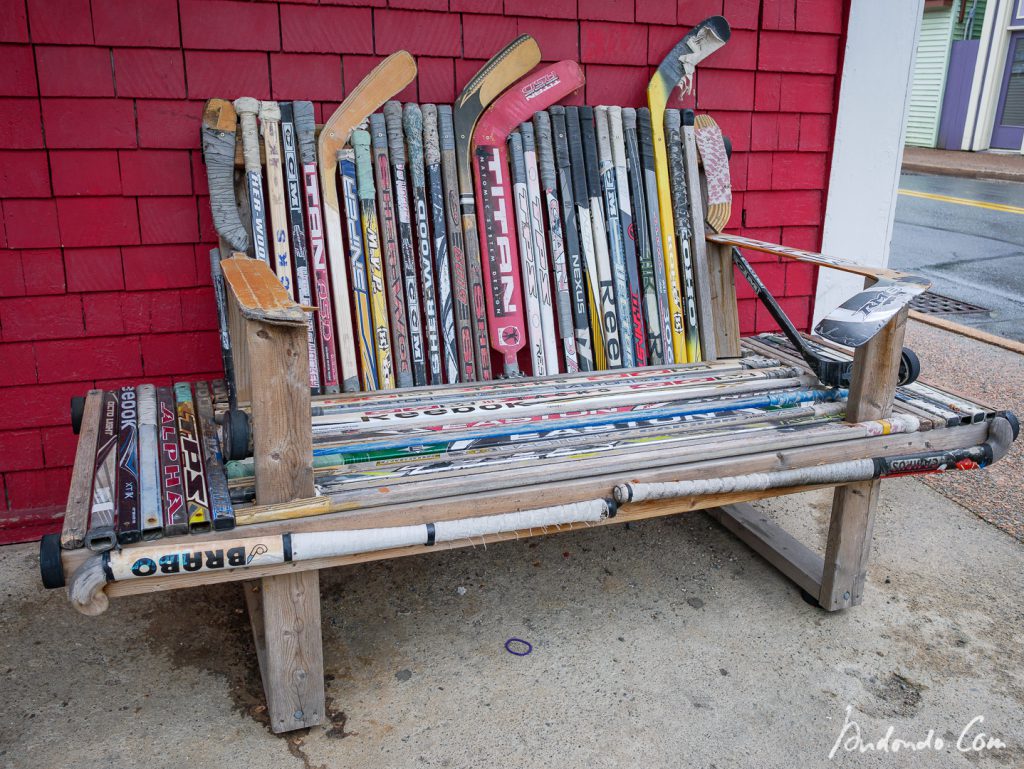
{"x": 929, "y": 77}
{"x": 979, "y": 18}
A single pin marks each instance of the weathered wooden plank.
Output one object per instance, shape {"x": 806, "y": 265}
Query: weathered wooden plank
{"x": 773, "y": 543}
{"x": 287, "y": 622}
{"x": 76, "y": 515}
{"x": 875, "y": 370}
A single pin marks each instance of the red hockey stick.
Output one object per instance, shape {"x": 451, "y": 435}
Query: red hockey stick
{"x": 502, "y": 281}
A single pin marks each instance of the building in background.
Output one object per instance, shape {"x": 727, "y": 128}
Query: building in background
{"x": 947, "y": 50}
{"x": 995, "y": 114}
{"x": 968, "y": 87}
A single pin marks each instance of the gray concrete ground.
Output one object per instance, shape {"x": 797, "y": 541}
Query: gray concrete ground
{"x": 970, "y": 253}
{"x": 669, "y": 644}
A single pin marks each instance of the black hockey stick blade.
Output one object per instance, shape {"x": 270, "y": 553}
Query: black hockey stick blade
{"x": 864, "y": 314}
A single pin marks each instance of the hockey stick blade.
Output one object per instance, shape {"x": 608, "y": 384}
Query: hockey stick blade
{"x": 219, "y": 124}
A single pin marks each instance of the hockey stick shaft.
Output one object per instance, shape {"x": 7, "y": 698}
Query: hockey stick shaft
{"x": 628, "y": 228}
{"x": 442, "y": 257}
{"x": 683, "y": 228}
{"x": 270, "y": 126}
{"x": 605, "y": 278}
{"x": 642, "y": 240}
{"x": 129, "y": 516}
{"x": 171, "y": 481}
{"x": 581, "y": 195}
{"x": 401, "y": 344}
{"x": 644, "y": 136}
{"x": 364, "y": 329}
{"x": 466, "y": 340}
{"x": 540, "y": 252}
{"x": 305, "y": 135}
{"x": 399, "y": 171}
{"x": 221, "y": 510}
{"x": 101, "y": 534}
{"x": 371, "y": 238}
{"x": 149, "y": 463}
{"x": 613, "y": 226}
{"x": 220, "y": 296}
{"x": 412, "y": 123}
{"x": 549, "y": 185}
{"x": 527, "y": 257}
{"x": 300, "y": 254}
{"x": 247, "y": 107}
{"x": 574, "y": 256}
{"x": 197, "y": 500}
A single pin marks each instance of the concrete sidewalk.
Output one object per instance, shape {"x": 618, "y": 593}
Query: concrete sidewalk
{"x": 976, "y": 165}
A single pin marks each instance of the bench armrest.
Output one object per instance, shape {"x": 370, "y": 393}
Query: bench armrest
{"x": 861, "y": 316}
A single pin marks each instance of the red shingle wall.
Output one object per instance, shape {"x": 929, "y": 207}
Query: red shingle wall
{"x": 104, "y": 221}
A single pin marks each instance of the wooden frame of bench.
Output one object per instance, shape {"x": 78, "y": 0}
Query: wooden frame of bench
{"x": 269, "y": 338}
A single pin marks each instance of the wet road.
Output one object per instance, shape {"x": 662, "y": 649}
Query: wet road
{"x": 970, "y": 251}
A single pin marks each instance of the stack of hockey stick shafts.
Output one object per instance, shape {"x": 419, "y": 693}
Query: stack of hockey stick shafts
{"x": 504, "y": 234}
{"x": 157, "y": 466}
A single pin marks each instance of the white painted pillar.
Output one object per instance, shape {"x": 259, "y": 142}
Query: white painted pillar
{"x": 870, "y": 128}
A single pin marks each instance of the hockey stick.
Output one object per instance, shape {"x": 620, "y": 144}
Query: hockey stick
{"x": 246, "y": 108}
{"x": 460, "y": 282}
{"x": 677, "y": 69}
{"x": 221, "y": 511}
{"x": 171, "y": 483}
{"x": 220, "y": 296}
{"x": 641, "y": 238}
{"x": 149, "y": 463}
{"x": 305, "y": 135}
{"x": 101, "y": 534}
{"x": 386, "y": 79}
{"x": 699, "y": 252}
{"x": 412, "y": 122}
{"x": 540, "y": 251}
{"x": 406, "y": 249}
{"x": 86, "y": 585}
{"x": 371, "y": 237}
{"x": 392, "y": 258}
{"x": 549, "y": 184}
{"x": 605, "y": 277}
{"x": 616, "y": 247}
{"x": 628, "y": 228}
{"x": 584, "y": 221}
{"x": 197, "y": 500}
{"x": 270, "y": 122}
{"x": 504, "y": 68}
{"x": 527, "y": 258}
{"x": 303, "y": 287}
{"x": 644, "y": 137}
{"x": 129, "y": 517}
{"x": 833, "y": 373}
{"x": 365, "y": 337}
{"x": 683, "y": 228}
{"x": 442, "y": 260}
{"x": 504, "y": 298}
{"x": 325, "y": 457}
{"x": 573, "y": 248}
{"x": 219, "y": 124}
{"x": 1002, "y": 433}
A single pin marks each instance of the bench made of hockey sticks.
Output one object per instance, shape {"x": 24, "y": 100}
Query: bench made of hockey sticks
{"x": 338, "y": 479}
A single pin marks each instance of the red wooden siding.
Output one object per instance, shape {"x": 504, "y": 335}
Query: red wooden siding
{"x": 104, "y": 222}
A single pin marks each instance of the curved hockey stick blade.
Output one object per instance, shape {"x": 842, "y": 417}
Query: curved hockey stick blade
{"x": 219, "y": 125}
{"x": 716, "y": 170}
{"x": 384, "y": 81}
{"x": 678, "y": 67}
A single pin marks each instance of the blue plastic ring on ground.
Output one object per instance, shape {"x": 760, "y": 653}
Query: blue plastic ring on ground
{"x": 510, "y": 650}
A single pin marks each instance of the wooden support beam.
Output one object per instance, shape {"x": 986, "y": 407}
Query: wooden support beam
{"x": 875, "y": 370}
{"x": 76, "y": 516}
{"x": 783, "y": 551}
{"x": 284, "y": 610}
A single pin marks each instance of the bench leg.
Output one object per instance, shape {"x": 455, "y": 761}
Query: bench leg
{"x": 875, "y": 370}
{"x": 285, "y": 616}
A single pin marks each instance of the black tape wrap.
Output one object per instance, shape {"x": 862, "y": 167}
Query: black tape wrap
{"x": 588, "y": 136}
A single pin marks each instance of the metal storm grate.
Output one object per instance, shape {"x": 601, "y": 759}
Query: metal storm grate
{"x": 931, "y": 303}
